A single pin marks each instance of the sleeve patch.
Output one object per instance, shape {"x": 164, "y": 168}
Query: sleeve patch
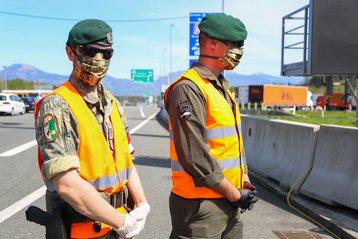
{"x": 50, "y": 128}
{"x": 185, "y": 110}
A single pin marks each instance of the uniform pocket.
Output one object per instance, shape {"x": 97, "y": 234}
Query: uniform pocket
{"x": 183, "y": 210}
{"x": 192, "y": 209}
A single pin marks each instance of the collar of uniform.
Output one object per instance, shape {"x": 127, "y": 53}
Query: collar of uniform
{"x": 204, "y": 72}
{"x": 87, "y": 94}
{"x": 225, "y": 83}
{"x": 102, "y": 97}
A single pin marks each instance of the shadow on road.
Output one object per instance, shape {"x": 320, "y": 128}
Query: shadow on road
{"x": 151, "y": 161}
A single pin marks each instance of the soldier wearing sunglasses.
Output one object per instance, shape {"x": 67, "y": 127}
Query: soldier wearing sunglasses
{"x": 84, "y": 151}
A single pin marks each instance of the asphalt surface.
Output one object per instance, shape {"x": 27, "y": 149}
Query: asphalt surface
{"x": 19, "y": 177}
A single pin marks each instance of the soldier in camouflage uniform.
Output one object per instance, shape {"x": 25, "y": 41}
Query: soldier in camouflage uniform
{"x": 89, "y": 48}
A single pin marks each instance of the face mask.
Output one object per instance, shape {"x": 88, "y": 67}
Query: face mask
{"x": 89, "y": 70}
{"x": 232, "y": 58}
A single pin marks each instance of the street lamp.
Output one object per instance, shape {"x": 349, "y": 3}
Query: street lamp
{"x": 164, "y": 53}
{"x": 5, "y": 81}
{"x": 170, "y": 52}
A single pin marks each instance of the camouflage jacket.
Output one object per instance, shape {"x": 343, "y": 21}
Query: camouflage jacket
{"x": 59, "y": 151}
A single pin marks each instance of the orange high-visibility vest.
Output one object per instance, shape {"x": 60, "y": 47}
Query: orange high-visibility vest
{"x": 106, "y": 172}
{"x": 224, "y": 137}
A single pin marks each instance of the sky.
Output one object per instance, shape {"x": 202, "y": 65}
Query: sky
{"x": 141, "y": 32}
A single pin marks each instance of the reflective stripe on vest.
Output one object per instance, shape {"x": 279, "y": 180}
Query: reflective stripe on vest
{"x": 224, "y": 164}
{"x": 223, "y": 129}
{"x": 110, "y": 180}
{"x": 216, "y": 133}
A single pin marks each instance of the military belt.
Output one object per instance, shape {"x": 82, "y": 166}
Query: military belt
{"x": 115, "y": 200}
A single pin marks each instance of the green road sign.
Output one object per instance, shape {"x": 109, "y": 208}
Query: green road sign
{"x": 142, "y": 75}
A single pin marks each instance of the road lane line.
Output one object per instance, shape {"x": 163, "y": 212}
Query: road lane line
{"x": 32, "y": 143}
{"x": 18, "y": 149}
{"x": 22, "y": 203}
{"x": 132, "y": 131}
{"x": 141, "y": 112}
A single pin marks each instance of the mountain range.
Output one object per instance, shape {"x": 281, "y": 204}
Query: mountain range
{"x": 122, "y": 86}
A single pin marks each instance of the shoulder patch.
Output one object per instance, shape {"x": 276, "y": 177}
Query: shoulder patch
{"x": 185, "y": 110}
{"x": 50, "y": 128}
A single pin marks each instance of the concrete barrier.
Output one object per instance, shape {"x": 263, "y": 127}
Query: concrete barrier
{"x": 278, "y": 149}
{"x": 163, "y": 114}
{"x": 334, "y": 177}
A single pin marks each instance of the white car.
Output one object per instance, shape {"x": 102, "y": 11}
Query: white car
{"x": 11, "y": 104}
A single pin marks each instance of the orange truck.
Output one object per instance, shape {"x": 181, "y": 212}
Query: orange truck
{"x": 280, "y": 95}
{"x": 334, "y": 101}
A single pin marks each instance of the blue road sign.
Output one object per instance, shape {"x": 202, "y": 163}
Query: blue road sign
{"x": 191, "y": 61}
{"x": 194, "y": 20}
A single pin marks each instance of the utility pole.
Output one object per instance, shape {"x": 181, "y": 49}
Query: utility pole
{"x": 164, "y": 53}
{"x": 354, "y": 91}
{"x": 222, "y": 5}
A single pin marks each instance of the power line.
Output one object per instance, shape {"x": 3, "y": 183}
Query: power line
{"x": 76, "y": 20}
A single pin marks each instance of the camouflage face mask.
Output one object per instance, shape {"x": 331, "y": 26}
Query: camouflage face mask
{"x": 89, "y": 70}
{"x": 232, "y": 58}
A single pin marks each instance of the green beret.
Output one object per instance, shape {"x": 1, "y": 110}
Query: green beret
{"x": 223, "y": 27}
{"x": 90, "y": 31}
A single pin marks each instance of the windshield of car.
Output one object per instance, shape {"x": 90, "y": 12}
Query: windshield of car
{"x": 2, "y": 97}
{"x": 30, "y": 99}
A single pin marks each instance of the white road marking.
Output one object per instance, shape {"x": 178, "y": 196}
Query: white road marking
{"x": 22, "y": 203}
{"x": 132, "y": 131}
{"x": 141, "y": 112}
{"x": 18, "y": 149}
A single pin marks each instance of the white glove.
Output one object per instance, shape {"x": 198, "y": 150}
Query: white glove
{"x": 129, "y": 229}
{"x": 140, "y": 214}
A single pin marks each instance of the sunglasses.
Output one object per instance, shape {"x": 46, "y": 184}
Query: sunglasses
{"x": 91, "y": 52}
{"x": 238, "y": 44}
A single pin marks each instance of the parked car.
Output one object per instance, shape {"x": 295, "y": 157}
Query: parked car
{"x": 11, "y": 104}
{"x": 30, "y": 103}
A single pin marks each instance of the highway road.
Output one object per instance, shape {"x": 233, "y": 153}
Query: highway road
{"x": 21, "y": 184}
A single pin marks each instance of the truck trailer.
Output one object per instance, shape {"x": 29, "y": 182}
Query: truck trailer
{"x": 276, "y": 95}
